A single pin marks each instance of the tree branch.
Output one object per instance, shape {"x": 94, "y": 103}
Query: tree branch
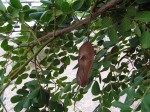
{"x": 57, "y": 33}
{"x": 77, "y": 25}
{"x": 15, "y": 72}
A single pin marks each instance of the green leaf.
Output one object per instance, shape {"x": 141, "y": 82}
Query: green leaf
{"x": 67, "y": 101}
{"x": 2, "y": 72}
{"x": 67, "y": 88}
{"x": 65, "y": 7}
{"x": 138, "y": 80}
{"x": 22, "y": 92}
{"x": 55, "y": 74}
{"x": 9, "y": 27}
{"x": 121, "y": 106}
{"x": 16, "y": 4}
{"x": 21, "y": 17}
{"x": 5, "y": 45}
{"x": 34, "y": 109}
{"x": 96, "y": 99}
{"x": 131, "y": 11}
{"x": 113, "y": 36}
{"x": 96, "y": 65}
{"x": 24, "y": 76}
{"x": 32, "y": 84}
{"x": 2, "y": 7}
{"x": 53, "y": 105}
{"x": 19, "y": 80}
{"x": 16, "y": 98}
{"x": 2, "y": 29}
{"x": 94, "y": 73}
{"x": 106, "y": 22}
{"x": 134, "y": 42}
{"x": 95, "y": 88}
{"x": 5, "y": 79}
{"x": 137, "y": 29}
{"x": 19, "y": 106}
{"x": 27, "y": 103}
{"x": 42, "y": 98}
{"x": 69, "y": 44}
{"x": 57, "y": 13}
{"x": 145, "y": 39}
{"x": 46, "y": 81}
{"x": 105, "y": 110}
{"x": 146, "y": 103}
{"x": 33, "y": 94}
{"x": 58, "y": 3}
{"x": 88, "y": 87}
{"x": 146, "y": 82}
{"x": 100, "y": 54}
{"x": 77, "y": 4}
{"x": 66, "y": 60}
{"x": 106, "y": 64}
{"x": 125, "y": 24}
{"x": 3, "y": 63}
{"x": 143, "y": 16}
{"x": 107, "y": 44}
{"x": 36, "y": 15}
{"x": 56, "y": 62}
{"x": 33, "y": 74}
{"x": 106, "y": 103}
{"x": 46, "y": 2}
{"x": 61, "y": 70}
{"x": 2, "y": 36}
{"x": 63, "y": 78}
{"x": 45, "y": 16}
{"x": 26, "y": 14}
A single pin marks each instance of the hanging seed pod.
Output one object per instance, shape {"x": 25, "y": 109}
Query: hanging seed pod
{"x": 85, "y": 61}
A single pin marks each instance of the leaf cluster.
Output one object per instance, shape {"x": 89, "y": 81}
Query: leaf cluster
{"x": 121, "y": 40}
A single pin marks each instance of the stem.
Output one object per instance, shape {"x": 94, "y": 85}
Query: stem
{"x": 14, "y": 73}
{"x": 37, "y": 74}
{"x": 3, "y": 106}
{"x": 75, "y": 96}
{"x": 77, "y": 25}
{"x": 56, "y": 34}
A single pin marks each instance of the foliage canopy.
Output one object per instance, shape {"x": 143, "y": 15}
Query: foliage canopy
{"x": 119, "y": 31}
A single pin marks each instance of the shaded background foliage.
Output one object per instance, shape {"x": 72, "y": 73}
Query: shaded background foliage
{"x": 121, "y": 39}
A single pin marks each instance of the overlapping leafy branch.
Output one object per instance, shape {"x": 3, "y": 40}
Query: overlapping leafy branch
{"x": 119, "y": 31}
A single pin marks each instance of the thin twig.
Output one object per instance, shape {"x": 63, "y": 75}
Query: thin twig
{"x": 16, "y": 71}
{"x": 57, "y": 33}
{"x": 77, "y": 25}
{"x": 3, "y": 106}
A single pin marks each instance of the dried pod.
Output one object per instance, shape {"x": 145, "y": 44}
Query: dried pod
{"x": 85, "y": 61}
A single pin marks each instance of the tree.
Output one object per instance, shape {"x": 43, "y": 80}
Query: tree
{"x": 119, "y": 31}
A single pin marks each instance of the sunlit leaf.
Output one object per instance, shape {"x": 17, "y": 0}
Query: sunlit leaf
{"x": 2, "y": 7}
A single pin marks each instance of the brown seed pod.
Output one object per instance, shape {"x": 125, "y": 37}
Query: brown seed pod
{"x": 85, "y": 61}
